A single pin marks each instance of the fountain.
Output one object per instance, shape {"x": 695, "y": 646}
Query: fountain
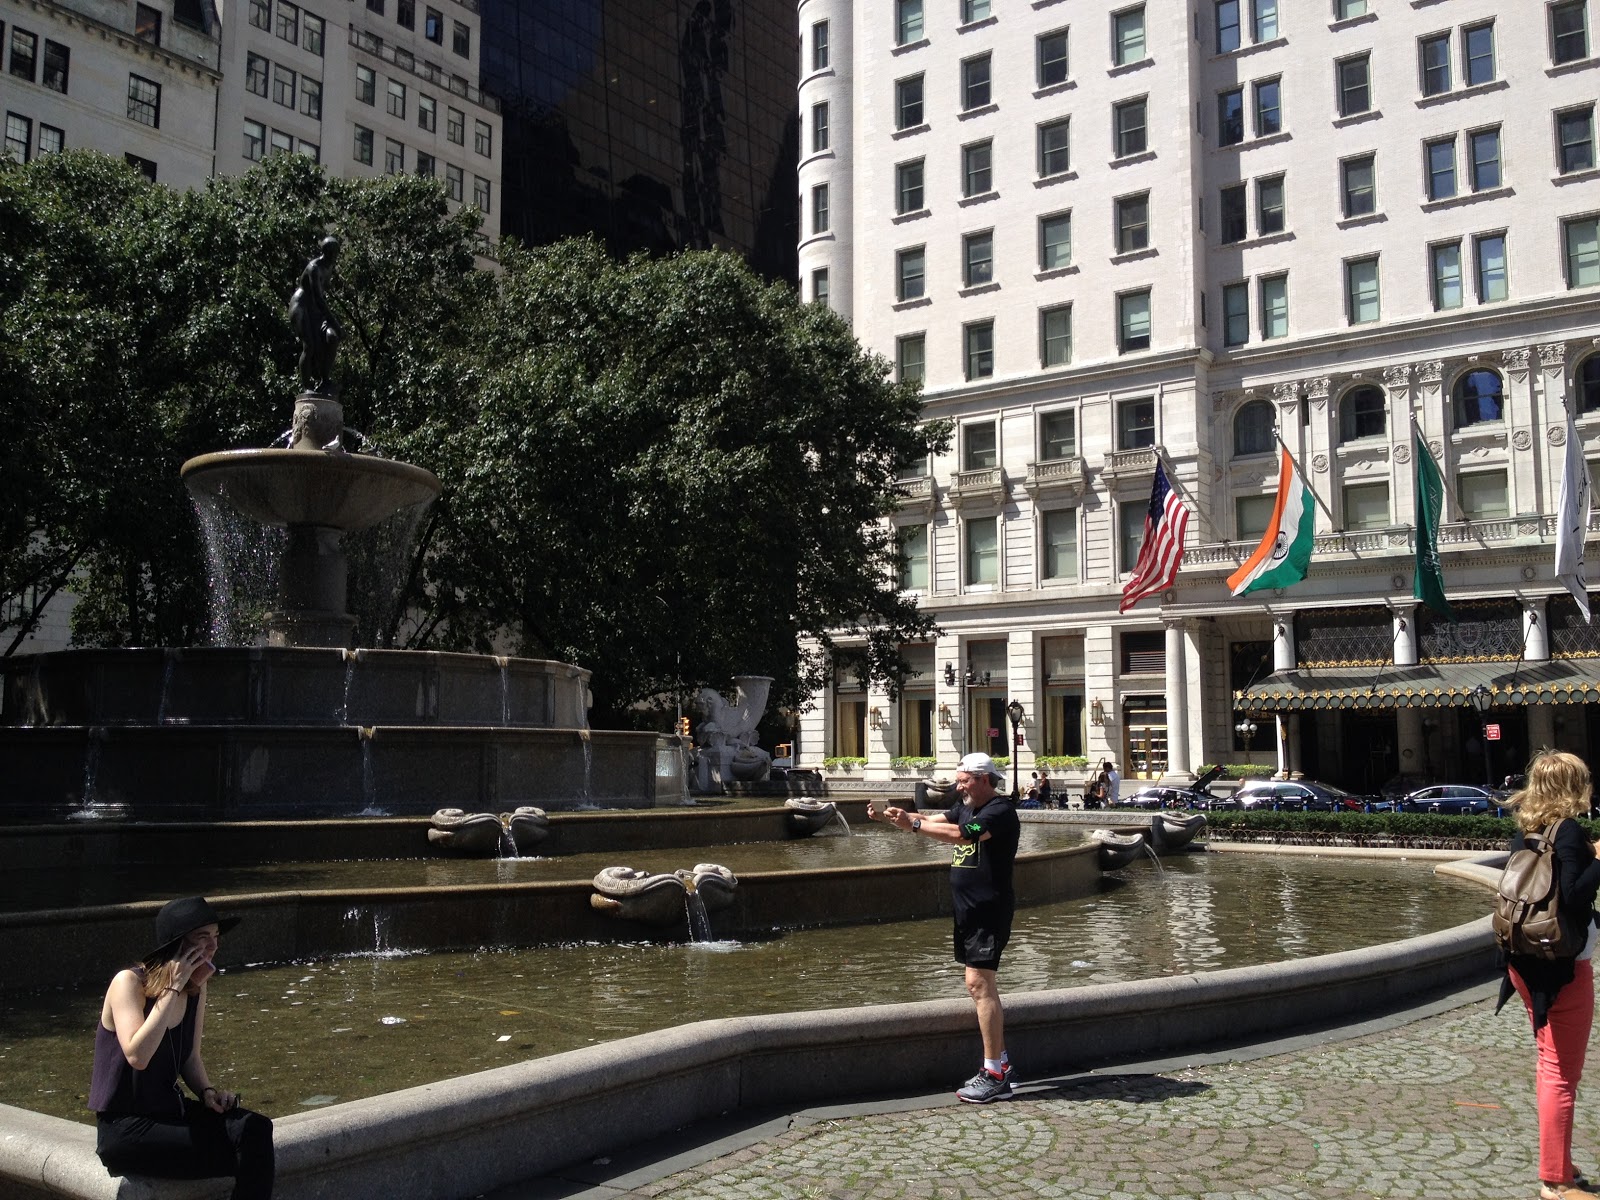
{"x": 304, "y": 725}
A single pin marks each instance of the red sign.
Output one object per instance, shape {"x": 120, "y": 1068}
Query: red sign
{"x": 1022, "y": 738}
{"x": 1491, "y": 732}
{"x": 993, "y": 732}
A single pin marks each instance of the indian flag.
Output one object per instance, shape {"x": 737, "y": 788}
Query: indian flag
{"x": 1284, "y": 554}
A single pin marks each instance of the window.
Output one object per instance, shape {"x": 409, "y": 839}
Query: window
{"x": 1269, "y": 107}
{"x": 375, "y": 6}
{"x": 1363, "y": 413}
{"x": 914, "y": 558}
{"x": 281, "y": 142}
{"x": 480, "y": 193}
{"x": 1581, "y": 237}
{"x": 977, "y": 258}
{"x": 1055, "y": 241}
{"x": 974, "y": 10}
{"x": 427, "y": 165}
{"x": 455, "y": 126}
{"x": 363, "y": 145}
{"x": 1236, "y": 323}
{"x": 144, "y": 101}
{"x": 907, "y": 21}
{"x": 1055, "y": 148}
{"x": 397, "y": 99}
{"x": 394, "y": 157}
{"x": 911, "y": 357}
{"x": 975, "y": 82}
{"x": 977, "y": 174}
{"x": 1483, "y": 495}
{"x": 819, "y": 209}
{"x": 255, "y": 74}
{"x": 1059, "y": 544}
{"x": 1434, "y": 61}
{"x": 819, "y": 286}
{"x": 58, "y": 64}
{"x": 311, "y": 31}
{"x": 144, "y": 166}
{"x": 1129, "y": 127}
{"x": 1133, "y": 225}
{"x": 261, "y": 13}
{"x": 455, "y": 184}
{"x": 283, "y": 86}
{"x": 311, "y": 150}
{"x": 1055, "y": 336}
{"x": 1227, "y": 25}
{"x": 1358, "y": 184}
{"x": 1355, "y": 87}
{"x": 1478, "y": 396}
{"x": 1569, "y": 32}
{"x": 1127, "y": 36}
{"x": 1232, "y": 209}
{"x": 483, "y": 138}
{"x": 911, "y": 273}
{"x": 983, "y": 551}
{"x": 908, "y": 102}
{"x": 1361, "y": 290}
{"x": 366, "y": 85}
{"x": 1265, "y": 19}
{"x": 1253, "y": 428}
{"x": 1269, "y": 205}
{"x": 1477, "y": 54}
{"x": 1485, "y": 159}
{"x": 1230, "y": 117}
{"x": 1058, "y": 435}
{"x": 1274, "y": 307}
{"x": 819, "y": 46}
{"x": 1133, "y": 322}
{"x": 1440, "y": 155}
{"x": 1345, "y": 9}
{"x": 1366, "y": 506}
{"x": 1252, "y": 515}
{"x": 311, "y": 98}
{"x": 19, "y": 137}
{"x": 24, "y": 53}
{"x": 405, "y": 13}
{"x": 1587, "y": 377}
{"x": 1136, "y": 424}
{"x": 1489, "y": 260}
{"x": 433, "y": 26}
{"x": 288, "y": 21}
{"x": 978, "y": 339}
{"x": 979, "y": 447}
{"x": 1575, "y": 139}
{"x": 819, "y": 127}
{"x": 51, "y": 139}
{"x": 1130, "y": 530}
{"x": 1052, "y": 58}
{"x": 1444, "y": 269}
{"x": 461, "y": 43}
{"x": 427, "y": 112}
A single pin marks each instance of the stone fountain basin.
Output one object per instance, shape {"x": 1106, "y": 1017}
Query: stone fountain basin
{"x": 334, "y": 490}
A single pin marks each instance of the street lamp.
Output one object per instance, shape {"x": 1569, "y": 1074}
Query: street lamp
{"x": 1481, "y": 700}
{"x": 1246, "y": 729}
{"x": 1014, "y": 711}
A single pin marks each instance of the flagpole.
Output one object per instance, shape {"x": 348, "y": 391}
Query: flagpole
{"x": 1450, "y": 490}
{"x": 1172, "y": 482}
{"x": 1321, "y": 503}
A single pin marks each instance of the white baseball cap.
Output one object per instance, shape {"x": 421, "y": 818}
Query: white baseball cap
{"x": 978, "y": 763}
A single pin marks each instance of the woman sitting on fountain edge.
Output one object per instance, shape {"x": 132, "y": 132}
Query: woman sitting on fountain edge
{"x": 147, "y": 1045}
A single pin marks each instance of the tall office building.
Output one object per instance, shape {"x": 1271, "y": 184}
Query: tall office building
{"x": 656, "y": 124}
{"x": 1106, "y": 235}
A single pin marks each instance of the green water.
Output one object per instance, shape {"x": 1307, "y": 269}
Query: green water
{"x": 299, "y": 1035}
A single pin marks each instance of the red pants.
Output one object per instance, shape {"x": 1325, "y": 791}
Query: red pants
{"x": 1561, "y": 1046}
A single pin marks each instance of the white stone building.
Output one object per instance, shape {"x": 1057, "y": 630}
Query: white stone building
{"x": 1100, "y": 234}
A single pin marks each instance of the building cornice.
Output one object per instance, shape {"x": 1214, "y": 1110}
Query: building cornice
{"x": 125, "y": 40}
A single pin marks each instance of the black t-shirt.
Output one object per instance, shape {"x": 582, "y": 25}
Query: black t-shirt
{"x": 980, "y": 871}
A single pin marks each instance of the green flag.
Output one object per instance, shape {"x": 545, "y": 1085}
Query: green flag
{"x": 1428, "y": 583}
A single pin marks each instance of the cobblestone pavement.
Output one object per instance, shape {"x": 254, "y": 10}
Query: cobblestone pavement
{"x": 1441, "y": 1107}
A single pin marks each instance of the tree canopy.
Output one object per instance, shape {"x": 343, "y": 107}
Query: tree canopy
{"x": 664, "y": 470}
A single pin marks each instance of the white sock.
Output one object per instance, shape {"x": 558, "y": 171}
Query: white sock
{"x": 995, "y": 1066}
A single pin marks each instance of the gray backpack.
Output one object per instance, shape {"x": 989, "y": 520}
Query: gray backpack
{"x": 1527, "y": 906}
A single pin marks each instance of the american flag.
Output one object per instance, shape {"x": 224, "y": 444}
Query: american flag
{"x": 1162, "y": 549}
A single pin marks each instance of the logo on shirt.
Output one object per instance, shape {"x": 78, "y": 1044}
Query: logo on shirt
{"x": 965, "y": 855}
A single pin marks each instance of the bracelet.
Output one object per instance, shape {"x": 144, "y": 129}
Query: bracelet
{"x": 173, "y": 989}
{"x": 203, "y": 1091}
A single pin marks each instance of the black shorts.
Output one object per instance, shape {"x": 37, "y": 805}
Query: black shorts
{"x": 981, "y": 934}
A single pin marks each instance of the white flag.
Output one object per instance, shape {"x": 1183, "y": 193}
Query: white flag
{"x": 1573, "y": 518}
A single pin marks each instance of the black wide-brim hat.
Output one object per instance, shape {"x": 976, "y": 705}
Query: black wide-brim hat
{"x": 178, "y": 918}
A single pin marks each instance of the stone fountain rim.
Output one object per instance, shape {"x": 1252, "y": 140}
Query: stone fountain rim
{"x": 331, "y": 460}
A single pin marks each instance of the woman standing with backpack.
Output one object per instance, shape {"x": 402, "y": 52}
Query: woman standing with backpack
{"x": 1559, "y": 992}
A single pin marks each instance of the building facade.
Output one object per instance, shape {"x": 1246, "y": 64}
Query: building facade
{"x": 1102, "y": 238}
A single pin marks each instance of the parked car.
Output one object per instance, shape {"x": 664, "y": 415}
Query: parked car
{"x": 1165, "y": 795}
{"x": 1459, "y": 798}
{"x": 1298, "y": 795}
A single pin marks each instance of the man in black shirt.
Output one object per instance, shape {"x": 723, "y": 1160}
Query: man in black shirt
{"x": 983, "y": 830}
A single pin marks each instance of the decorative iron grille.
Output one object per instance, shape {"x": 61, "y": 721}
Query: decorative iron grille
{"x": 1344, "y": 637}
{"x": 1570, "y": 635}
{"x": 1485, "y": 631}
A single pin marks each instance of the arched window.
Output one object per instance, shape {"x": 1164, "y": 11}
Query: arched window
{"x": 1364, "y": 412}
{"x": 1252, "y": 428}
{"x": 1588, "y": 381}
{"x": 1479, "y": 396}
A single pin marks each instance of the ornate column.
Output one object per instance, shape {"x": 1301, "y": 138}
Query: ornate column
{"x": 1551, "y": 398}
{"x": 1536, "y": 648}
{"x": 1316, "y": 446}
{"x": 1290, "y": 759}
{"x": 1177, "y": 702}
{"x": 1405, "y": 633}
{"x": 1283, "y": 657}
{"x": 1522, "y": 423}
{"x": 1408, "y": 739}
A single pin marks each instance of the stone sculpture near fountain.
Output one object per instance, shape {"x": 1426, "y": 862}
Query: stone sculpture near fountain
{"x": 727, "y": 750}
{"x": 304, "y": 725}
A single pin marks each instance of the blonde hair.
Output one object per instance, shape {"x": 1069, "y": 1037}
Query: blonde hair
{"x": 1559, "y": 785}
{"x": 157, "y": 977}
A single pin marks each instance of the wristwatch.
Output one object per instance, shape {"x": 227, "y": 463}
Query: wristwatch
{"x": 916, "y": 824}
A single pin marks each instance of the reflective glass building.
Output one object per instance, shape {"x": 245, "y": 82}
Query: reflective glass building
{"x": 655, "y": 124}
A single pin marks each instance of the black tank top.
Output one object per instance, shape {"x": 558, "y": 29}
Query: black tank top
{"x": 116, "y": 1089}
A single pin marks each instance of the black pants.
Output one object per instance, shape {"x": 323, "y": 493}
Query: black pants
{"x": 200, "y": 1145}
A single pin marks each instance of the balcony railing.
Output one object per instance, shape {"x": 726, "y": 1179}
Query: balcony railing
{"x": 916, "y": 494}
{"x": 971, "y": 486}
{"x": 404, "y": 60}
{"x": 1055, "y": 474}
{"x": 1123, "y": 463}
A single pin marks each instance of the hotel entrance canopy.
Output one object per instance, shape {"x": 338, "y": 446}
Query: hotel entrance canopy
{"x": 1428, "y": 685}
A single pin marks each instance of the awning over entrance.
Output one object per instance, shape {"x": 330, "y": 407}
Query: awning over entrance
{"x": 1434, "y": 685}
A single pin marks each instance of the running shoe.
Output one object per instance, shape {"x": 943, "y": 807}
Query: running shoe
{"x": 983, "y": 1088}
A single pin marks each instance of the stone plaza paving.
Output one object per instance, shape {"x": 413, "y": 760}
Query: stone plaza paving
{"x": 1432, "y": 1104}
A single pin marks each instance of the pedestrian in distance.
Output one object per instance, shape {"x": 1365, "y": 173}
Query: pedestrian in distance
{"x": 983, "y": 831}
{"x": 147, "y": 1046}
{"x": 1045, "y": 789}
{"x": 1113, "y": 782}
{"x": 1558, "y": 993}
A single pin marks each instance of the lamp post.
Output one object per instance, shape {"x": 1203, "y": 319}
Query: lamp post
{"x": 1246, "y": 729}
{"x": 1481, "y": 700}
{"x": 1014, "y": 711}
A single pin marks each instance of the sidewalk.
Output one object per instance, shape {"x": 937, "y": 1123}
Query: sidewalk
{"x": 1433, "y": 1103}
